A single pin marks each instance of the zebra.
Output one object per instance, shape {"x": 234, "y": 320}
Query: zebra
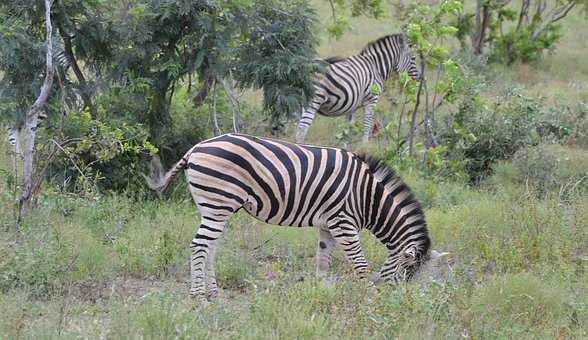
{"x": 357, "y": 81}
{"x": 288, "y": 184}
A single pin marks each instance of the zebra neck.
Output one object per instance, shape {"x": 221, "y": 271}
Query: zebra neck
{"x": 383, "y": 64}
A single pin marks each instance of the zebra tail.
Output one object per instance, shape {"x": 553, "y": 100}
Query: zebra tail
{"x": 157, "y": 180}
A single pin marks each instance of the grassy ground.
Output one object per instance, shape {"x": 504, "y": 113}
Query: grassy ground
{"x": 112, "y": 267}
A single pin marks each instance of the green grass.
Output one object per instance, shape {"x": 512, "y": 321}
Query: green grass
{"x": 117, "y": 268}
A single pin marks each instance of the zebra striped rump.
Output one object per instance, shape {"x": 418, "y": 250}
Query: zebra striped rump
{"x": 289, "y": 184}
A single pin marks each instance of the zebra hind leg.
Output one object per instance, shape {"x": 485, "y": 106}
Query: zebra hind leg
{"x": 203, "y": 249}
{"x": 211, "y": 286}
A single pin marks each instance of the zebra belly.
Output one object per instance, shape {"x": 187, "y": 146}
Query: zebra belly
{"x": 332, "y": 107}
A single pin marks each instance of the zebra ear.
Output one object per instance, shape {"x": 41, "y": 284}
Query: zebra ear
{"x": 410, "y": 253}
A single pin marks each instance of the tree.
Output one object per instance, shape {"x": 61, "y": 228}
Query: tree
{"x": 119, "y": 66}
{"x": 516, "y": 34}
{"x": 31, "y": 119}
{"x": 428, "y": 28}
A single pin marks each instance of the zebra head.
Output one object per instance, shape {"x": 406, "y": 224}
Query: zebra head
{"x": 402, "y": 264}
{"x": 406, "y": 60}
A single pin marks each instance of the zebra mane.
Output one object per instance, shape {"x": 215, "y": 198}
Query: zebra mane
{"x": 383, "y": 173}
{"x": 334, "y": 59}
{"x": 397, "y": 37}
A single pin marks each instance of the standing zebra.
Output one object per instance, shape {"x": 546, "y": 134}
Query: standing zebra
{"x": 357, "y": 81}
{"x": 299, "y": 185}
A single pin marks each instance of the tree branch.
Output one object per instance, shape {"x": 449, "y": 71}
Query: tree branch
{"x": 67, "y": 48}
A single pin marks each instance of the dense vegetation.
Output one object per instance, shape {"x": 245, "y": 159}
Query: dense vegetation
{"x": 494, "y": 144}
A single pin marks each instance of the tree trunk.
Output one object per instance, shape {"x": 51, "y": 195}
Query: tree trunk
{"x": 84, "y": 88}
{"x": 26, "y": 198}
{"x": 413, "y": 120}
{"x": 415, "y": 109}
{"x": 231, "y": 93}
{"x": 482, "y": 20}
{"x": 159, "y": 118}
{"x": 523, "y": 14}
{"x": 212, "y": 109}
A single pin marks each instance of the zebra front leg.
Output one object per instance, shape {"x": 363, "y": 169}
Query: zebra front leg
{"x": 324, "y": 250}
{"x": 347, "y": 236}
{"x": 368, "y": 121}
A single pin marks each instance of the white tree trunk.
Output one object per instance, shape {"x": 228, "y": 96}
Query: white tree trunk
{"x": 232, "y": 94}
{"x": 26, "y": 199}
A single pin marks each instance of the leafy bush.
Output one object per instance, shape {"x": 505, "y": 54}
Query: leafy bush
{"x": 566, "y": 124}
{"x": 105, "y": 153}
{"x": 480, "y": 136}
{"x": 519, "y": 46}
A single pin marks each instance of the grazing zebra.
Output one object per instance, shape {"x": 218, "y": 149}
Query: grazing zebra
{"x": 288, "y": 184}
{"x": 357, "y": 81}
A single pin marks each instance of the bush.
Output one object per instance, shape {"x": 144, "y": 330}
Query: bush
{"x": 567, "y": 124}
{"x": 481, "y": 136}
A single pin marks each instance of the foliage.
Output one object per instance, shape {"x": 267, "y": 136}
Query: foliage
{"x": 482, "y": 135}
{"x": 131, "y": 59}
{"x": 22, "y": 60}
{"x": 275, "y": 55}
{"x": 340, "y": 16}
{"x": 429, "y": 30}
{"x": 516, "y": 34}
{"x": 103, "y": 153}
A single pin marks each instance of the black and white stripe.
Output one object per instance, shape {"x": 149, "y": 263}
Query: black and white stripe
{"x": 357, "y": 81}
{"x": 13, "y": 131}
{"x": 288, "y": 184}
{"x": 12, "y": 135}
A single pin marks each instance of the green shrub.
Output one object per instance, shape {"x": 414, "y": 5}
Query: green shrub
{"x": 37, "y": 262}
{"x": 500, "y": 131}
{"x": 518, "y": 46}
{"x": 567, "y": 124}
